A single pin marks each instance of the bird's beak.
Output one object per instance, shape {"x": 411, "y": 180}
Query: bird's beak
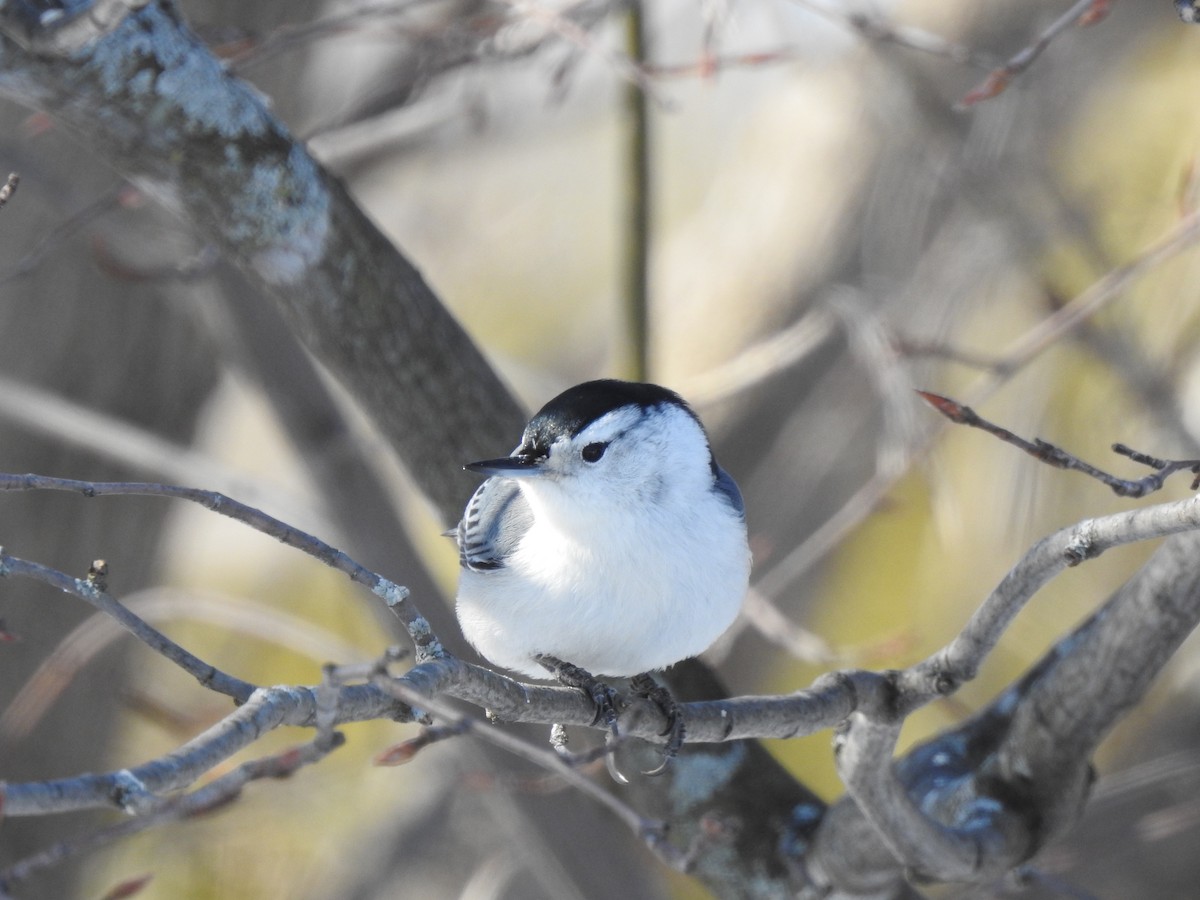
{"x": 508, "y": 467}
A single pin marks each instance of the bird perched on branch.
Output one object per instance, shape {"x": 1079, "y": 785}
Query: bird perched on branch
{"x": 609, "y": 543}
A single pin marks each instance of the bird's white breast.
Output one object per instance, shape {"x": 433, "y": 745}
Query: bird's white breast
{"x": 614, "y": 598}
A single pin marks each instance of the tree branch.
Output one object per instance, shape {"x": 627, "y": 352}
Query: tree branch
{"x": 1059, "y": 458}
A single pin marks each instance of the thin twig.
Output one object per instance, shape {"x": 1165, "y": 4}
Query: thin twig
{"x": 1181, "y": 236}
{"x": 1083, "y": 12}
{"x": 254, "y": 50}
{"x": 406, "y": 751}
{"x": 581, "y": 38}
{"x": 835, "y": 529}
{"x": 56, "y": 236}
{"x": 710, "y": 65}
{"x": 916, "y": 348}
{"x": 1061, "y": 459}
{"x": 876, "y": 28}
{"x": 396, "y": 596}
{"x": 205, "y": 673}
{"x": 200, "y": 265}
{"x": 65, "y": 421}
{"x": 772, "y": 624}
{"x": 765, "y": 359}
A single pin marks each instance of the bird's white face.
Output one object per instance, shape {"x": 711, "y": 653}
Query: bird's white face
{"x": 631, "y": 460}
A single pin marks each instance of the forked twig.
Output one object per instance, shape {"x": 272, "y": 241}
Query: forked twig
{"x": 1059, "y": 458}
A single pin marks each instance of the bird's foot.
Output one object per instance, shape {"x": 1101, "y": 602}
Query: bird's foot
{"x": 601, "y": 694}
{"x": 644, "y": 685}
{"x": 573, "y": 676}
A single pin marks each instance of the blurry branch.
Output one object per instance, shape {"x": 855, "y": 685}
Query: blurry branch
{"x": 55, "y": 416}
{"x": 871, "y": 343}
{"x": 916, "y": 348}
{"x": 867, "y": 25}
{"x": 427, "y": 40}
{"x": 875, "y": 349}
{"x": 711, "y": 64}
{"x": 568, "y": 30}
{"x": 73, "y": 224}
{"x": 639, "y": 197}
{"x": 762, "y": 360}
{"x": 766, "y": 359}
{"x": 469, "y": 33}
{"x": 246, "y": 50}
{"x": 769, "y": 621}
{"x": 123, "y": 195}
{"x": 1147, "y": 379}
{"x": 1180, "y": 237}
{"x": 876, "y": 28}
{"x": 1056, "y": 456}
{"x": 775, "y": 579}
{"x": 1082, "y": 12}
{"x": 200, "y": 265}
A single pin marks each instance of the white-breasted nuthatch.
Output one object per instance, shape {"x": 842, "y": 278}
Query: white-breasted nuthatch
{"x": 610, "y": 539}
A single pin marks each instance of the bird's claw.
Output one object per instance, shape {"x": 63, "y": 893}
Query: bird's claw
{"x": 644, "y": 685}
{"x": 604, "y": 699}
{"x": 606, "y": 710}
{"x": 610, "y": 758}
{"x": 601, "y": 694}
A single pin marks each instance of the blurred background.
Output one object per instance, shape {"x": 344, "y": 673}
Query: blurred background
{"x": 831, "y": 228}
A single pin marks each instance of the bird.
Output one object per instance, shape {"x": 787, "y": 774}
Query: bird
{"x": 609, "y": 543}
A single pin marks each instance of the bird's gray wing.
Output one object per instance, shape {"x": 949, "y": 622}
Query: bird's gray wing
{"x": 492, "y": 524}
{"x": 727, "y": 487}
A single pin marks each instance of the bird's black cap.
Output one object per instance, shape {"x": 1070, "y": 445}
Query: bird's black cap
{"x": 576, "y": 408}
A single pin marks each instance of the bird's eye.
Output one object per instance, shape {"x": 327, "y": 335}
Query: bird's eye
{"x": 592, "y": 452}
